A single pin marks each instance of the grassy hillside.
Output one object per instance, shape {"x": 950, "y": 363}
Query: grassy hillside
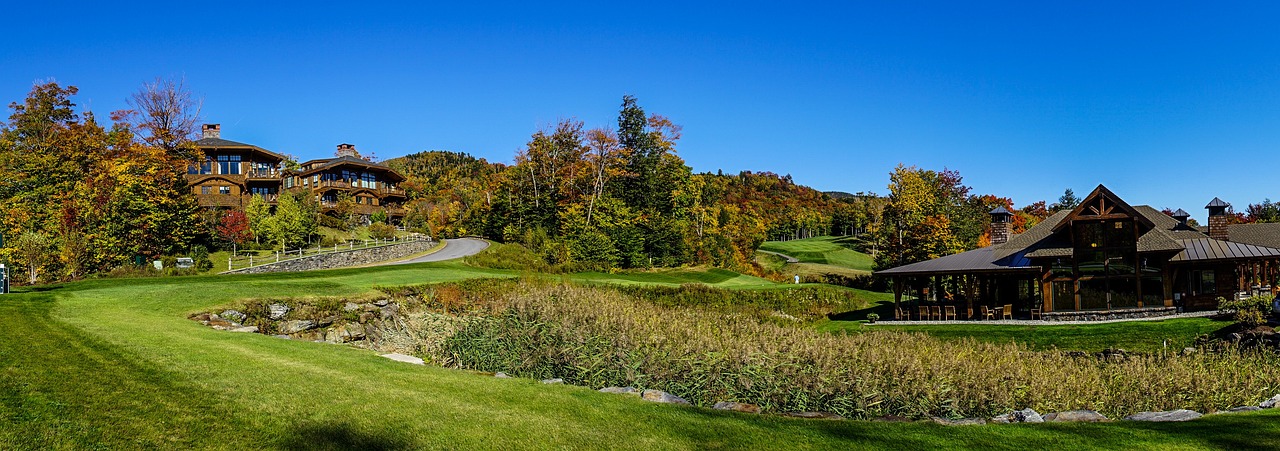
{"x": 116, "y": 364}
{"x": 823, "y": 250}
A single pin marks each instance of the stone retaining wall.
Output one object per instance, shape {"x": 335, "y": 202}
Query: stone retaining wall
{"x": 341, "y": 259}
{"x": 1107, "y": 315}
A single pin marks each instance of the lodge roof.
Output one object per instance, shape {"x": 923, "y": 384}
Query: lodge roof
{"x": 219, "y": 143}
{"x": 1165, "y": 235}
{"x": 327, "y": 163}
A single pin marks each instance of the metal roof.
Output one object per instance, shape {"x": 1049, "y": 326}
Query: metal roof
{"x": 1181, "y": 214}
{"x": 977, "y": 260}
{"x": 1000, "y": 211}
{"x": 1206, "y": 249}
{"x": 219, "y": 143}
{"x": 1216, "y": 202}
{"x": 339, "y": 161}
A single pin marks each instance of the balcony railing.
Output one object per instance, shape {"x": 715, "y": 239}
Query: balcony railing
{"x": 263, "y": 174}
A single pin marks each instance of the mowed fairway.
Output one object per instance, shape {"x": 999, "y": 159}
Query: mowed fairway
{"x": 822, "y": 255}
{"x": 116, "y": 364}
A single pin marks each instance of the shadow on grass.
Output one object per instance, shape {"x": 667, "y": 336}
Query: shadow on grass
{"x": 342, "y": 436}
{"x": 882, "y": 308}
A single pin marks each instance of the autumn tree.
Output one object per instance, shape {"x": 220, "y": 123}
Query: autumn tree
{"x": 917, "y": 224}
{"x": 33, "y": 248}
{"x": 257, "y": 213}
{"x": 166, "y": 115}
{"x": 234, "y": 228}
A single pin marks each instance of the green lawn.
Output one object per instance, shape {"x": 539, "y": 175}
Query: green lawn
{"x": 116, "y": 364}
{"x": 1143, "y": 336}
{"x": 823, "y": 250}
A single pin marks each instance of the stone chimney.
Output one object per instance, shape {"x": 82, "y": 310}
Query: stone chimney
{"x": 347, "y": 150}
{"x": 211, "y": 130}
{"x": 1218, "y": 217}
{"x": 1000, "y": 225}
{"x": 1182, "y": 217}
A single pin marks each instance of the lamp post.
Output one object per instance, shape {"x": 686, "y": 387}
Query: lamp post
{"x": 1106, "y": 274}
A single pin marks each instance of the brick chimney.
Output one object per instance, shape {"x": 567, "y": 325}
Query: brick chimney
{"x": 211, "y": 130}
{"x": 1000, "y": 225}
{"x": 347, "y": 150}
{"x": 1218, "y": 216}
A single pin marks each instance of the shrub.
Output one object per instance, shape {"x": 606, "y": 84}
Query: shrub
{"x": 381, "y": 231}
{"x": 1249, "y": 312}
{"x": 509, "y": 256}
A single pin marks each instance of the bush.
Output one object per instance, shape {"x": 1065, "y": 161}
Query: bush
{"x": 509, "y": 256}
{"x": 325, "y": 220}
{"x": 1249, "y": 312}
{"x": 380, "y": 231}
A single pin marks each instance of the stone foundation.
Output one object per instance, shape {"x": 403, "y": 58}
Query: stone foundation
{"x": 1107, "y": 315}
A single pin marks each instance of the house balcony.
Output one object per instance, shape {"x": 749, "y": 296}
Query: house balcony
{"x": 263, "y": 174}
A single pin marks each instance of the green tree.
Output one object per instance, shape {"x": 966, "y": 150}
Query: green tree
{"x": 917, "y": 224}
{"x": 257, "y": 213}
{"x": 33, "y": 248}
{"x": 294, "y": 221}
{"x": 1068, "y": 201}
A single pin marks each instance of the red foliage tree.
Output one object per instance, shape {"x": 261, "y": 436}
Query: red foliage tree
{"x": 234, "y": 227}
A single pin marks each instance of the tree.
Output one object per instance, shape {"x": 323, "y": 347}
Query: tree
{"x": 72, "y": 250}
{"x": 917, "y": 222}
{"x": 294, "y": 220}
{"x": 1068, "y": 201}
{"x": 256, "y": 215}
{"x": 234, "y": 228}
{"x": 166, "y": 115}
{"x": 33, "y": 248}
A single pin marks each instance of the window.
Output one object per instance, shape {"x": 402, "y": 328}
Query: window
{"x": 224, "y": 190}
{"x": 262, "y": 190}
{"x": 228, "y": 164}
{"x": 1203, "y": 282}
{"x": 206, "y": 190}
{"x": 1064, "y": 296}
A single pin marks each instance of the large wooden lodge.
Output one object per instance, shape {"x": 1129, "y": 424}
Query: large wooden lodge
{"x": 232, "y": 173}
{"x": 1104, "y": 259}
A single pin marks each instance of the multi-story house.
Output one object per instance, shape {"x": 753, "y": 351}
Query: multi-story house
{"x": 232, "y": 172}
{"x": 372, "y": 186}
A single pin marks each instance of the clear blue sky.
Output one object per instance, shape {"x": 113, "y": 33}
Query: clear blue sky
{"x": 1167, "y": 103}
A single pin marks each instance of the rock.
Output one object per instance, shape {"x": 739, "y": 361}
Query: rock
{"x": 1235, "y": 337}
{"x": 277, "y": 311}
{"x": 1171, "y": 415}
{"x": 295, "y": 326}
{"x": 621, "y": 391}
{"x": 737, "y": 407}
{"x": 248, "y": 329}
{"x": 1188, "y": 350}
{"x": 286, "y": 337}
{"x": 201, "y": 317}
{"x": 501, "y": 375}
{"x": 351, "y": 332}
{"x": 1021, "y": 416}
{"x": 960, "y": 422}
{"x": 327, "y": 321}
{"x": 404, "y": 358}
{"x": 662, "y": 397}
{"x": 1270, "y": 403}
{"x": 1242, "y": 409}
{"x": 390, "y": 310}
{"x": 366, "y": 317}
{"x": 221, "y": 324}
{"x": 814, "y": 415}
{"x": 1075, "y": 416}
{"x": 369, "y": 307}
{"x": 381, "y": 302}
{"x": 233, "y": 315}
{"x": 553, "y": 381}
{"x": 350, "y": 307}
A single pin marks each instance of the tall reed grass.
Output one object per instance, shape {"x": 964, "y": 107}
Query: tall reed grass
{"x": 597, "y": 337}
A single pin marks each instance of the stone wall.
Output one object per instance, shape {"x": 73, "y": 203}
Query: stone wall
{"x": 1106, "y": 315}
{"x": 341, "y": 259}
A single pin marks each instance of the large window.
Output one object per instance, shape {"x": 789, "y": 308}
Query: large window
{"x": 1203, "y": 282}
{"x": 228, "y": 164}
{"x": 1064, "y": 295}
{"x": 1107, "y": 263}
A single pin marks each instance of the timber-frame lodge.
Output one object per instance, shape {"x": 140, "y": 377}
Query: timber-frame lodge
{"x": 1104, "y": 259}
{"x": 233, "y": 172}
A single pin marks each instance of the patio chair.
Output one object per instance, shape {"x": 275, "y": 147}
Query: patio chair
{"x": 1008, "y": 312}
{"x": 924, "y": 313}
{"x": 949, "y": 313}
{"x": 935, "y": 313}
{"x": 903, "y": 314}
{"x": 987, "y": 313}
{"x": 1035, "y": 313}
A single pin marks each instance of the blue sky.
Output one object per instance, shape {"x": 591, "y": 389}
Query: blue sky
{"x": 1167, "y": 103}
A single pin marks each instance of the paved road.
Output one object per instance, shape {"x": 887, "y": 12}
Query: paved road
{"x": 455, "y": 248}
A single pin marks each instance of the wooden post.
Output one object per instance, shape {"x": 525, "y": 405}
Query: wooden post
{"x": 897, "y": 296}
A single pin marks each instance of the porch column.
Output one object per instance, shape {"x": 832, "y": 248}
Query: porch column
{"x": 897, "y": 296}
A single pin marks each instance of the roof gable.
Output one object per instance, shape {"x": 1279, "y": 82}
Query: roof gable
{"x": 1103, "y": 204}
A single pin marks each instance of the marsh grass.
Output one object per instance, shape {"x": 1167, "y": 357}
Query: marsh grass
{"x": 597, "y": 336}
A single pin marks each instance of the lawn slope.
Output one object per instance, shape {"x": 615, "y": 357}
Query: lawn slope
{"x": 116, "y": 364}
{"x": 822, "y": 255}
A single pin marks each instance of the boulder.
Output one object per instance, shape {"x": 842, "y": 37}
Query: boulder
{"x": 1270, "y": 403}
{"x": 1020, "y": 416}
{"x": 553, "y": 381}
{"x": 404, "y": 358}
{"x": 382, "y": 302}
{"x": 621, "y": 391}
{"x": 327, "y": 321}
{"x": 295, "y": 326}
{"x": 959, "y": 422}
{"x": 390, "y": 310}
{"x": 501, "y": 375}
{"x": 286, "y": 337}
{"x": 233, "y": 315}
{"x": 350, "y": 307}
{"x": 1188, "y": 350}
{"x": 1242, "y": 409}
{"x": 737, "y": 407}
{"x": 662, "y": 397}
{"x": 352, "y": 331}
{"x": 1171, "y": 415}
{"x": 1075, "y": 416}
{"x": 814, "y": 415}
{"x": 277, "y": 311}
{"x": 201, "y": 317}
{"x": 248, "y": 329}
